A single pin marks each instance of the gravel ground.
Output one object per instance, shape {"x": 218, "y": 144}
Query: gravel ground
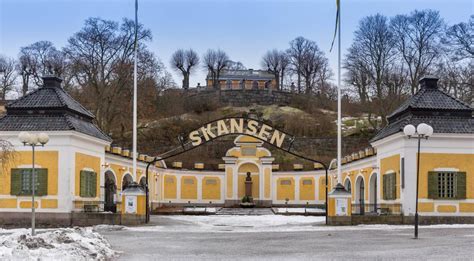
{"x": 192, "y": 238}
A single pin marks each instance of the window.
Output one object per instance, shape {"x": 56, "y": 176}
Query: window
{"x": 285, "y": 182}
{"x": 389, "y": 186}
{"x": 169, "y": 180}
{"x": 189, "y": 181}
{"x": 228, "y": 84}
{"x": 211, "y": 182}
{"x": 21, "y": 181}
{"x": 446, "y": 185}
{"x": 249, "y": 151}
{"x": 347, "y": 185}
{"x": 254, "y": 85}
{"x": 88, "y": 184}
{"x": 307, "y": 182}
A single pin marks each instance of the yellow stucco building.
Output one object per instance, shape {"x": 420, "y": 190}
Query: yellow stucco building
{"x": 80, "y": 172}
{"x": 244, "y": 80}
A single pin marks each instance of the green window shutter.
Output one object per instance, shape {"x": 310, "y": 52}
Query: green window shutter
{"x": 92, "y": 184}
{"x": 385, "y": 190}
{"x": 432, "y": 184}
{"x": 41, "y": 188}
{"x": 461, "y": 185}
{"x": 83, "y": 184}
{"x": 15, "y": 178}
{"x": 393, "y": 187}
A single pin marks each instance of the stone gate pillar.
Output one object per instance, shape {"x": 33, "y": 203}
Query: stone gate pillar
{"x": 231, "y": 181}
{"x": 266, "y": 181}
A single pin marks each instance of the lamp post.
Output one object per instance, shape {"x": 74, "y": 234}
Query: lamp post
{"x": 422, "y": 131}
{"x": 33, "y": 140}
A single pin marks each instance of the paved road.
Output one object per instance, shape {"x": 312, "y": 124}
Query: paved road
{"x": 183, "y": 240}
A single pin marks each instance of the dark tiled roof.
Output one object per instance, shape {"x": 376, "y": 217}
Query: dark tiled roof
{"x": 430, "y": 105}
{"x": 50, "y": 123}
{"x": 430, "y": 98}
{"x": 50, "y": 108}
{"x": 49, "y": 98}
{"x": 440, "y": 124}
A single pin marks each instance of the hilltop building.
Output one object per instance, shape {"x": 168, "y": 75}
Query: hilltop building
{"x": 79, "y": 169}
{"x": 243, "y": 80}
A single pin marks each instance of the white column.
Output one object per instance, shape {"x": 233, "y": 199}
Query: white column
{"x": 297, "y": 188}
{"x": 178, "y": 187}
{"x": 235, "y": 182}
{"x": 199, "y": 188}
{"x": 230, "y": 164}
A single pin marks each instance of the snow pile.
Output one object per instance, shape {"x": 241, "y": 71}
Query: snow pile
{"x": 59, "y": 244}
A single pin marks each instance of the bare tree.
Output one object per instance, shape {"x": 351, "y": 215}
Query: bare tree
{"x": 418, "y": 41}
{"x": 8, "y": 75}
{"x": 372, "y": 66}
{"x": 39, "y": 59}
{"x": 276, "y": 62}
{"x": 185, "y": 61}
{"x": 312, "y": 63}
{"x": 296, "y": 52}
{"x": 232, "y": 65}
{"x": 101, "y": 57}
{"x": 7, "y": 154}
{"x": 215, "y": 61}
{"x": 460, "y": 40}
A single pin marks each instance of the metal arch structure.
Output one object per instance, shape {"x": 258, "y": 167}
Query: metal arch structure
{"x": 187, "y": 144}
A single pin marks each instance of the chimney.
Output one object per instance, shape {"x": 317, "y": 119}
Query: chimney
{"x": 51, "y": 81}
{"x": 429, "y": 82}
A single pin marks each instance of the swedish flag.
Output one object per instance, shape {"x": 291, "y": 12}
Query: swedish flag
{"x": 337, "y": 23}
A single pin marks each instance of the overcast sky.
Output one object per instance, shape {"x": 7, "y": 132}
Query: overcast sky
{"x": 245, "y": 29}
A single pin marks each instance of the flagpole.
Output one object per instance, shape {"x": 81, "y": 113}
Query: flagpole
{"x": 135, "y": 155}
{"x": 339, "y": 121}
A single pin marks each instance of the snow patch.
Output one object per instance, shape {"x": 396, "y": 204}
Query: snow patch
{"x": 298, "y": 210}
{"x": 223, "y": 223}
{"x": 57, "y": 244}
{"x": 200, "y": 210}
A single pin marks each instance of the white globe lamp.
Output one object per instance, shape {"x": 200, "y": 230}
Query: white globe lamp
{"x": 423, "y": 129}
{"x": 24, "y": 137}
{"x": 430, "y": 131}
{"x": 43, "y": 138}
{"x": 409, "y": 130}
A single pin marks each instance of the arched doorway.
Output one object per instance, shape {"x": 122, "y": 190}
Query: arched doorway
{"x": 373, "y": 192}
{"x": 348, "y": 185}
{"x": 359, "y": 195}
{"x": 126, "y": 181}
{"x": 110, "y": 188}
{"x": 142, "y": 182}
{"x": 242, "y": 174}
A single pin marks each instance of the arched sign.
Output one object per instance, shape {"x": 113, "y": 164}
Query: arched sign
{"x": 243, "y": 126}
{"x": 233, "y": 126}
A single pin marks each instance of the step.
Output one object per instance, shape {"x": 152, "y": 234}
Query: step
{"x": 245, "y": 211}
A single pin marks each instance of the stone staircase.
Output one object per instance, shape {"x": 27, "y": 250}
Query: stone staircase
{"x": 245, "y": 211}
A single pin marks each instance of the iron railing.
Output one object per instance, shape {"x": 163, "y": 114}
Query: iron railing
{"x": 376, "y": 209}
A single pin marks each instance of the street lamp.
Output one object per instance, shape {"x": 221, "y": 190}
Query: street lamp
{"x": 422, "y": 131}
{"x": 33, "y": 140}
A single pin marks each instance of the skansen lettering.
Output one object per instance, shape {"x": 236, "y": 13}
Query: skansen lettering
{"x": 237, "y": 126}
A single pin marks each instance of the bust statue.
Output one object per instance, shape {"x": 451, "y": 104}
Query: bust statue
{"x": 248, "y": 178}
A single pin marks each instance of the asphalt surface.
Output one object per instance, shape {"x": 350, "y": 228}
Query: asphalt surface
{"x": 322, "y": 243}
